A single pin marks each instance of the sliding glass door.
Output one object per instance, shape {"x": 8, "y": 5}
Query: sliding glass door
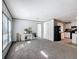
{"x": 6, "y": 31}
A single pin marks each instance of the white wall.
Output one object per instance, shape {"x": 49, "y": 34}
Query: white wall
{"x": 4, "y": 9}
{"x": 45, "y": 30}
{"x": 74, "y": 23}
{"x": 68, "y": 26}
{"x": 49, "y": 30}
{"x": 20, "y": 25}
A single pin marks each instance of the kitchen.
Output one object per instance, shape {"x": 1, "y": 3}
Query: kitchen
{"x": 68, "y": 31}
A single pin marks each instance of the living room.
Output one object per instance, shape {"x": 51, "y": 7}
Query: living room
{"x": 37, "y": 29}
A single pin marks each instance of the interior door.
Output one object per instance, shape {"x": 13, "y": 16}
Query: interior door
{"x": 39, "y": 30}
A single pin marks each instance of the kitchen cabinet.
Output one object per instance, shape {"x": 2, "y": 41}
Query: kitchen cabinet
{"x": 62, "y": 35}
{"x": 74, "y": 38}
{"x": 67, "y": 35}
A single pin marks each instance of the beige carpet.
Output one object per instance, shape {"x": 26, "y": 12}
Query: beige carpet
{"x": 41, "y": 49}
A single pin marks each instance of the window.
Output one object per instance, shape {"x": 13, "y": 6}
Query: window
{"x": 6, "y": 31}
{"x": 9, "y": 31}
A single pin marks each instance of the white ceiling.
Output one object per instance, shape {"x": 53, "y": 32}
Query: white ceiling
{"x": 43, "y": 10}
